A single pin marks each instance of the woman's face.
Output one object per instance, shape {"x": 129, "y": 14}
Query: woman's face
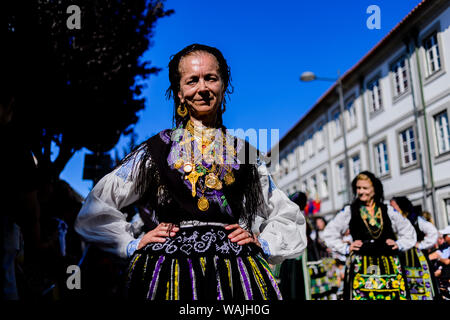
{"x": 201, "y": 86}
{"x": 365, "y": 190}
{"x": 320, "y": 224}
{"x": 395, "y": 206}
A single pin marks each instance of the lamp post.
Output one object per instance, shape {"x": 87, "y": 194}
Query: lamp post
{"x": 310, "y": 76}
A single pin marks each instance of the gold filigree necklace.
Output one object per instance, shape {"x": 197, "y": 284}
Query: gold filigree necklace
{"x": 374, "y": 223}
{"x": 195, "y": 169}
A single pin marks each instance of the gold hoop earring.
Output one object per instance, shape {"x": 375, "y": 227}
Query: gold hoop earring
{"x": 182, "y": 110}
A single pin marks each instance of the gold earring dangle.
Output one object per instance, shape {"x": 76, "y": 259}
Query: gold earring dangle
{"x": 182, "y": 110}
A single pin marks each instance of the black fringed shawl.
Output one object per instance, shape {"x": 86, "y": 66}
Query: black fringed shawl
{"x": 161, "y": 188}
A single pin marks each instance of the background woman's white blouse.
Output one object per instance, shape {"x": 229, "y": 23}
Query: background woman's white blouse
{"x": 335, "y": 229}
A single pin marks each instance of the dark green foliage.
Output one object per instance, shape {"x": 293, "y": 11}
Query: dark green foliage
{"x": 77, "y": 88}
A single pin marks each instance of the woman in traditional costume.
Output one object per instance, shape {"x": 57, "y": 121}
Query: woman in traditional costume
{"x": 373, "y": 268}
{"x": 207, "y": 188}
{"x": 421, "y": 282}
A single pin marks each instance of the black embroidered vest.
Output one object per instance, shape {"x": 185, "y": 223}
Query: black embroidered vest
{"x": 172, "y": 200}
{"x": 359, "y": 231}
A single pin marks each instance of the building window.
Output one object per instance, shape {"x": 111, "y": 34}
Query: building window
{"x": 310, "y": 145}
{"x": 399, "y": 71}
{"x": 442, "y": 132}
{"x": 374, "y": 91}
{"x": 284, "y": 167}
{"x": 337, "y": 124}
{"x": 355, "y": 165}
{"x": 313, "y": 186}
{"x": 408, "y": 147}
{"x": 381, "y": 158}
{"x": 291, "y": 161}
{"x": 433, "y": 59}
{"x": 350, "y": 113}
{"x": 320, "y": 138}
{"x": 341, "y": 176}
{"x": 323, "y": 184}
{"x": 301, "y": 152}
{"x": 304, "y": 187}
{"x": 447, "y": 208}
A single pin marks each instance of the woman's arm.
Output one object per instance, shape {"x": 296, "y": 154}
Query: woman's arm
{"x": 406, "y": 234}
{"x": 431, "y": 234}
{"x": 100, "y": 220}
{"x": 283, "y": 226}
{"x": 334, "y": 232}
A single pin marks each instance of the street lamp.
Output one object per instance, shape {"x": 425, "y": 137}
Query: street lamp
{"x": 310, "y": 76}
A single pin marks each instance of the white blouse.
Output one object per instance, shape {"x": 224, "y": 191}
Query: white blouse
{"x": 335, "y": 229}
{"x": 281, "y": 224}
{"x": 431, "y": 234}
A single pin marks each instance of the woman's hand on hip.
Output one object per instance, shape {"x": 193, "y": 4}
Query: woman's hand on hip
{"x": 241, "y": 236}
{"x": 356, "y": 245}
{"x": 392, "y": 244}
{"x": 159, "y": 234}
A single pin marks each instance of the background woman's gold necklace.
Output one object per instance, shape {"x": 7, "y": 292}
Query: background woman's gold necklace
{"x": 375, "y": 220}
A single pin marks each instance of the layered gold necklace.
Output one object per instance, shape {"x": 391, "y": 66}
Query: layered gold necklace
{"x": 373, "y": 222}
{"x": 205, "y": 140}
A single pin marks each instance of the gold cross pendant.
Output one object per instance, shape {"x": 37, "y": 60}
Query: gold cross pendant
{"x": 193, "y": 177}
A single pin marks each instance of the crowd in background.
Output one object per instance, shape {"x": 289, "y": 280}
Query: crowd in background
{"x": 323, "y": 270}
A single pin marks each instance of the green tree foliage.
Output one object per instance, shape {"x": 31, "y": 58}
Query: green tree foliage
{"x": 77, "y": 87}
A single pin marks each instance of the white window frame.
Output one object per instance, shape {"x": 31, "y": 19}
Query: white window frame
{"x": 447, "y": 208}
{"x": 310, "y": 144}
{"x": 400, "y": 75}
{"x": 382, "y": 158}
{"x": 320, "y": 137}
{"x": 304, "y": 186}
{"x": 323, "y": 183}
{"x": 442, "y": 132}
{"x": 340, "y": 176}
{"x": 375, "y": 95}
{"x": 337, "y": 123}
{"x": 353, "y": 167}
{"x": 313, "y": 186}
{"x": 350, "y": 113}
{"x": 432, "y": 53}
{"x": 291, "y": 161}
{"x": 406, "y": 147}
{"x": 285, "y": 167}
{"x": 301, "y": 152}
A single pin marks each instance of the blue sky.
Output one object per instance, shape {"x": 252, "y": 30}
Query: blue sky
{"x": 267, "y": 44}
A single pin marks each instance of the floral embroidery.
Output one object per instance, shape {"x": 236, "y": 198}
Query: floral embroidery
{"x": 369, "y": 283}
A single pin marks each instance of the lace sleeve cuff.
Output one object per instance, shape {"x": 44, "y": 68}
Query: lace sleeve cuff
{"x": 132, "y": 247}
{"x": 264, "y": 246}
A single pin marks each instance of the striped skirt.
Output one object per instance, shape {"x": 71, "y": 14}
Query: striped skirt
{"x": 375, "y": 277}
{"x": 200, "y": 263}
{"x": 418, "y": 275}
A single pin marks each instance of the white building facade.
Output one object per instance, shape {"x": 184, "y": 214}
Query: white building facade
{"x": 396, "y": 121}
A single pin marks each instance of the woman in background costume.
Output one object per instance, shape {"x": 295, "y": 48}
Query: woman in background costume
{"x": 373, "y": 269}
{"x": 421, "y": 282}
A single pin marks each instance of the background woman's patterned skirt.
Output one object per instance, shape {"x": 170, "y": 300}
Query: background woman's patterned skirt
{"x": 375, "y": 278}
{"x": 418, "y": 275}
{"x": 324, "y": 280}
{"x": 200, "y": 263}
